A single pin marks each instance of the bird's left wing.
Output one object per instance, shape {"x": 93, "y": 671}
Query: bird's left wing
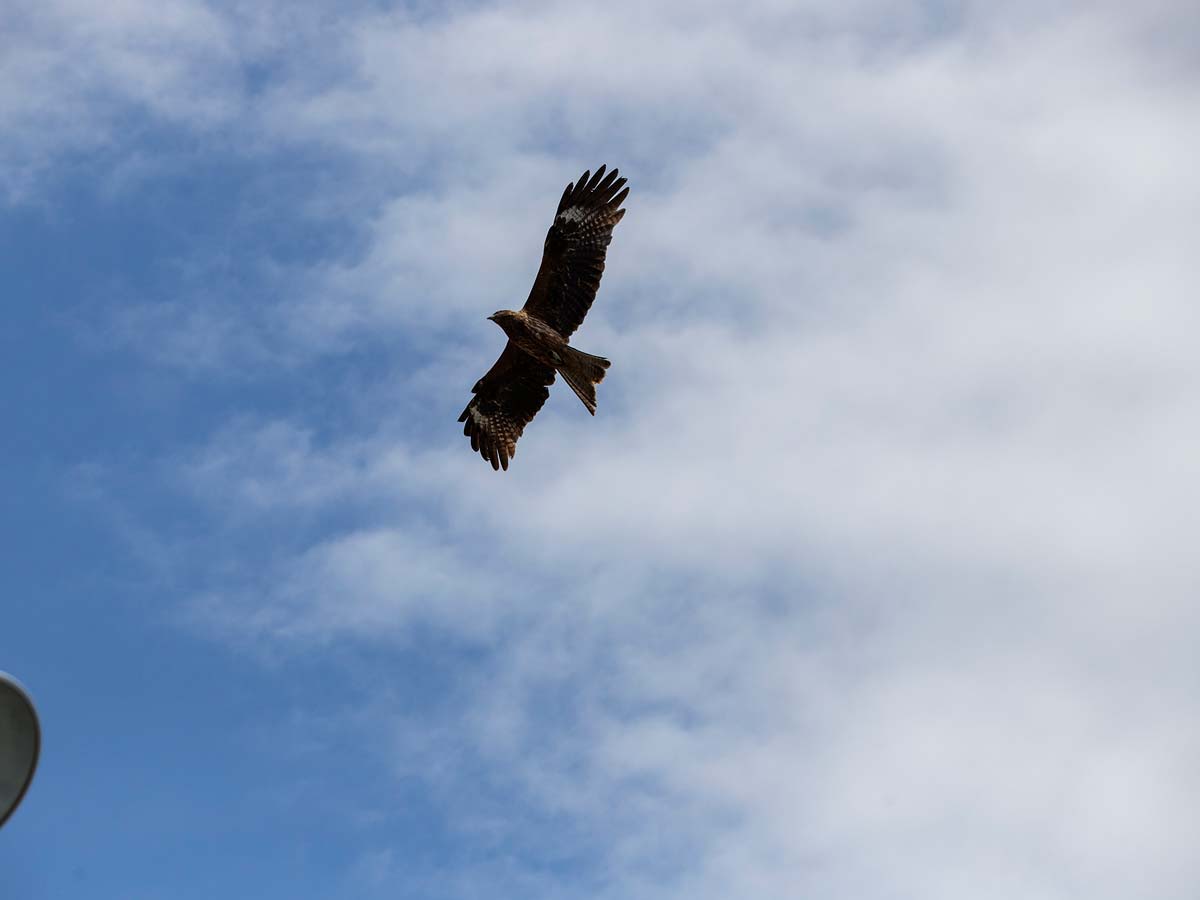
{"x": 576, "y": 244}
{"x": 505, "y": 400}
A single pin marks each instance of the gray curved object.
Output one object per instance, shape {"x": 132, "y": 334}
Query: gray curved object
{"x": 20, "y": 744}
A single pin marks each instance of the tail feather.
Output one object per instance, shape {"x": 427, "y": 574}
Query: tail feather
{"x": 583, "y": 372}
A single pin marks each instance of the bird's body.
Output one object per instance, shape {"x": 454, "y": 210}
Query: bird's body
{"x": 514, "y": 389}
{"x": 532, "y": 335}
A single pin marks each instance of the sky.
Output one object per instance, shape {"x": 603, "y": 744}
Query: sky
{"x": 873, "y": 577}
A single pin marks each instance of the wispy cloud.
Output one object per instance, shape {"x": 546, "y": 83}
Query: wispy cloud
{"x": 873, "y": 574}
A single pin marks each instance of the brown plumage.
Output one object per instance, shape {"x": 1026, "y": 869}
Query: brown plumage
{"x": 514, "y": 389}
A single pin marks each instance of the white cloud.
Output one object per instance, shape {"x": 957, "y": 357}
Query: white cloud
{"x": 77, "y": 73}
{"x": 873, "y": 575}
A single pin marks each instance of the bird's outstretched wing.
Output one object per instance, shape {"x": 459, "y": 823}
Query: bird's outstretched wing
{"x": 573, "y": 258}
{"x": 506, "y": 398}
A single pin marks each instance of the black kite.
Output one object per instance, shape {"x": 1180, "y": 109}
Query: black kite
{"x": 514, "y": 389}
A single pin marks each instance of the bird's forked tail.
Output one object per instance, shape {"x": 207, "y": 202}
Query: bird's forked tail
{"x": 583, "y": 372}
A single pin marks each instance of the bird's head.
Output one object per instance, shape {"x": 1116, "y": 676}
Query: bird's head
{"x": 500, "y": 315}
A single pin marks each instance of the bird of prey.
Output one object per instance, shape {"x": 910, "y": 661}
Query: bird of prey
{"x": 514, "y": 389}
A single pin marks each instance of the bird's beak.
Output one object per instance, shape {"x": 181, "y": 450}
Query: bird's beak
{"x": 491, "y": 318}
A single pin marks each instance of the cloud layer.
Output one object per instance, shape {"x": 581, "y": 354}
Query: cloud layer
{"x": 873, "y": 575}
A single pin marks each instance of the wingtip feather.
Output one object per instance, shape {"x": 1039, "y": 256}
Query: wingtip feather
{"x": 594, "y": 184}
{"x": 606, "y": 186}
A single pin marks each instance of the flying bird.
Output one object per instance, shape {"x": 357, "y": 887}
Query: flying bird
{"x": 514, "y": 389}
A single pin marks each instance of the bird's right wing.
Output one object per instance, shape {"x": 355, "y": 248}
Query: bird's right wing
{"x": 573, "y": 256}
{"x": 505, "y": 400}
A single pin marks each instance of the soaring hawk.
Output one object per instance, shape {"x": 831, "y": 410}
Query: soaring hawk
{"x": 514, "y": 389}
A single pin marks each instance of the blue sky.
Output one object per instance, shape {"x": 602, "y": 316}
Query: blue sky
{"x": 872, "y": 577}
